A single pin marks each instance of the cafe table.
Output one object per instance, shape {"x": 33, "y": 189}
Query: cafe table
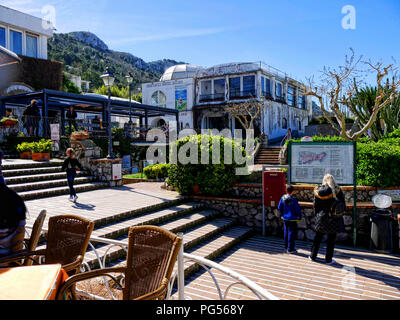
{"x": 39, "y": 282}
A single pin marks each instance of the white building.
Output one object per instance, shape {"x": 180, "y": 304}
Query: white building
{"x": 175, "y": 90}
{"x": 208, "y": 91}
{"x": 24, "y": 34}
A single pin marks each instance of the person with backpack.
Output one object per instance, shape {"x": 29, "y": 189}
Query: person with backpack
{"x": 329, "y": 205}
{"x": 71, "y": 165}
{"x": 291, "y": 214}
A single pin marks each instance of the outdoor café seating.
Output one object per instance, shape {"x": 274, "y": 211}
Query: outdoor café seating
{"x": 152, "y": 253}
{"x": 67, "y": 240}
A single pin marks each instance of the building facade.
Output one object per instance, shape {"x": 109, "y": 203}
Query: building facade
{"x": 205, "y": 94}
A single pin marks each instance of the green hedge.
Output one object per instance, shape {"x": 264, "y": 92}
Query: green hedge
{"x": 157, "y": 171}
{"x": 212, "y": 179}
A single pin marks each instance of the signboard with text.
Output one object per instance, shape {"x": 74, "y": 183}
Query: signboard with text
{"x": 310, "y": 161}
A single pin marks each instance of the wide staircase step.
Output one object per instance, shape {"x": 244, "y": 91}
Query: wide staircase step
{"x": 34, "y": 180}
{"x": 268, "y": 155}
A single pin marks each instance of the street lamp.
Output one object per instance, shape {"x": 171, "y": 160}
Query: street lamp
{"x": 108, "y": 79}
{"x": 129, "y": 79}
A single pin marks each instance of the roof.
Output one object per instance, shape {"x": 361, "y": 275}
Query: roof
{"x": 180, "y": 71}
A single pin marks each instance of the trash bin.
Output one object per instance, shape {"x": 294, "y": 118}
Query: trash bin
{"x": 381, "y": 231}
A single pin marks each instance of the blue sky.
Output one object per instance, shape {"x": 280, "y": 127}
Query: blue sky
{"x": 296, "y": 36}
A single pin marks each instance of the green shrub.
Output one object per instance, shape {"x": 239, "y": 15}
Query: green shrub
{"x": 157, "y": 171}
{"x": 43, "y": 146}
{"x": 24, "y": 147}
{"x": 378, "y": 164}
{"x": 212, "y": 179}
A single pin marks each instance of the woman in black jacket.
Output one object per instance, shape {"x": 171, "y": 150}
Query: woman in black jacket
{"x": 327, "y": 199}
{"x": 71, "y": 165}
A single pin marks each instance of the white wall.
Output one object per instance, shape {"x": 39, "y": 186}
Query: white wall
{"x": 14, "y": 20}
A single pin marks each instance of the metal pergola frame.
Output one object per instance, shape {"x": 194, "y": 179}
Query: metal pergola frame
{"x": 61, "y": 101}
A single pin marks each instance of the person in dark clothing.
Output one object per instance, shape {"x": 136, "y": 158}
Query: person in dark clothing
{"x": 326, "y": 197}
{"x": 29, "y": 117}
{"x": 71, "y": 165}
{"x": 35, "y": 117}
{"x": 291, "y": 214}
{"x": 71, "y": 116}
{"x": 12, "y": 222}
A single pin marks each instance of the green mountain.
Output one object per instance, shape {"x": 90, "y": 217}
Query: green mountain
{"x": 85, "y": 55}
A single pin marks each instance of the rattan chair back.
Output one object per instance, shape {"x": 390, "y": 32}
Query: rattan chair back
{"x": 68, "y": 237}
{"x": 152, "y": 252}
{"x": 35, "y": 235}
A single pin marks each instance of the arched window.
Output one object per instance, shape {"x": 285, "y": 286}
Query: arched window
{"x": 284, "y": 123}
{"x": 159, "y": 99}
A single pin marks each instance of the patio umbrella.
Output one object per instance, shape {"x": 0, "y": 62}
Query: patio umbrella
{"x": 7, "y": 57}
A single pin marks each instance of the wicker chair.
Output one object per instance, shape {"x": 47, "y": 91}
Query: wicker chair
{"x": 35, "y": 235}
{"x": 67, "y": 241}
{"x": 152, "y": 253}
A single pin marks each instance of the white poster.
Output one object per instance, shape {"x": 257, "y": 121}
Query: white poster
{"x": 55, "y": 131}
{"x": 310, "y": 162}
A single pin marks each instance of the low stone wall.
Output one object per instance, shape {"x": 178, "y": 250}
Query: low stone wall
{"x": 249, "y": 213}
{"x": 102, "y": 170}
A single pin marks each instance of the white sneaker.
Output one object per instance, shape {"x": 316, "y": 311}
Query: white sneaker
{"x": 75, "y": 198}
{"x": 71, "y": 198}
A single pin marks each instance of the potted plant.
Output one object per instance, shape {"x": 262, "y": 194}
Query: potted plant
{"x": 8, "y": 121}
{"x": 41, "y": 150}
{"x": 80, "y": 135}
{"x": 25, "y": 150}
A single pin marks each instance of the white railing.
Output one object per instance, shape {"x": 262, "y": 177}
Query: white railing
{"x": 179, "y": 271}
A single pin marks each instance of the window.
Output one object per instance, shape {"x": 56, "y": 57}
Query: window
{"x": 16, "y": 42}
{"x": 278, "y": 90}
{"x": 302, "y": 101}
{"x": 249, "y": 85}
{"x": 291, "y": 96}
{"x": 206, "y": 87}
{"x": 266, "y": 87}
{"x": 234, "y": 87}
{"x": 219, "y": 88}
{"x": 2, "y": 37}
{"x": 284, "y": 123}
{"x": 31, "y": 46}
{"x": 159, "y": 99}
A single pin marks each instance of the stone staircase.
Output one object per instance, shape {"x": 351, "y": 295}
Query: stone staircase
{"x": 206, "y": 232}
{"x": 268, "y": 155}
{"x": 33, "y": 180}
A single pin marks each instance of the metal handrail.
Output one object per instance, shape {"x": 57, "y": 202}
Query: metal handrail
{"x": 179, "y": 272}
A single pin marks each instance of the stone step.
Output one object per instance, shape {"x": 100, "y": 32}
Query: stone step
{"x": 121, "y": 228}
{"x": 192, "y": 238}
{"x": 30, "y": 171}
{"x": 38, "y": 177}
{"x": 12, "y": 164}
{"x": 44, "y": 193}
{"x": 48, "y": 184}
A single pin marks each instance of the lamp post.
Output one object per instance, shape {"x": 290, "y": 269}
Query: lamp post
{"x": 129, "y": 79}
{"x": 108, "y": 79}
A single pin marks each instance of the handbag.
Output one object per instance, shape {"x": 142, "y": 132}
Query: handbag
{"x": 325, "y": 223}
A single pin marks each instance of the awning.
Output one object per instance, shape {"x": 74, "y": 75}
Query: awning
{"x": 8, "y": 57}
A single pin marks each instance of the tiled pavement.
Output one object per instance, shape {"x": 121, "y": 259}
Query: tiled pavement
{"x": 103, "y": 204}
{"x": 358, "y": 274}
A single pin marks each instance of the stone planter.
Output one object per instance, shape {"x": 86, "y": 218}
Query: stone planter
{"x": 40, "y": 156}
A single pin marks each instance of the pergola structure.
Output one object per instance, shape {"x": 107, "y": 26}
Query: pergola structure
{"x": 61, "y": 101}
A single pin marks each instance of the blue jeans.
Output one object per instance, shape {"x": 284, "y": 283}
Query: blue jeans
{"x": 2, "y": 180}
{"x": 290, "y": 233}
{"x": 71, "y": 178}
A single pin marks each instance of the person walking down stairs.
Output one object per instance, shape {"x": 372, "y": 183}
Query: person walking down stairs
{"x": 71, "y": 165}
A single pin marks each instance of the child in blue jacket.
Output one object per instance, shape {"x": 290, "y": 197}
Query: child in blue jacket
{"x": 291, "y": 214}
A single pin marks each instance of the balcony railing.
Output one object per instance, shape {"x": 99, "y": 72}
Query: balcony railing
{"x": 212, "y": 97}
{"x": 237, "y": 94}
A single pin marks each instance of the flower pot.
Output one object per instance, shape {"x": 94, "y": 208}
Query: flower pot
{"x": 10, "y": 122}
{"x": 40, "y": 156}
{"x": 26, "y": 155}
{"x": 79, "y": 137}
{"x": 196, "y": 189}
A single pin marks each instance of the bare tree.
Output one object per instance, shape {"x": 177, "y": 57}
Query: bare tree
{"x": 340, "y": 85}
{"x": 245, "y": 112}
